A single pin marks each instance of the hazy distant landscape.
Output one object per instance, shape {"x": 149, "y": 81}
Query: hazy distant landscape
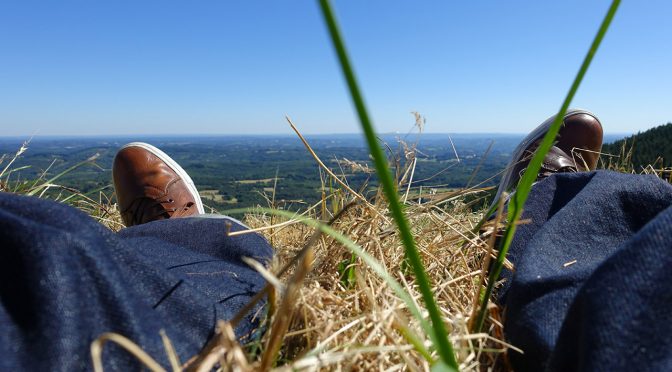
{"x": 237, "y": 171}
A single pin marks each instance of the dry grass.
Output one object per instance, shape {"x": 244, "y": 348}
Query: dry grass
{"x": 362, "y": 327}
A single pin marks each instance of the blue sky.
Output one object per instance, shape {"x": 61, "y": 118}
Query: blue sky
{"x": 238, "y": 66}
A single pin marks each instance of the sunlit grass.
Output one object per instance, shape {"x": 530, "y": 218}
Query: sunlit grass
{"x": 438, "y": 331}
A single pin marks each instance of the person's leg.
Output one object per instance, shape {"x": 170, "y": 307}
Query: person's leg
{"x": 155, "y": 195}
{"x": 622, "y": 313}
{"x": 590, "y": 289}
{"x": 65, "y": 280}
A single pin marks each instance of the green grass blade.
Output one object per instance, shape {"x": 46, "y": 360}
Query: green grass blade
{"x": 443, "y": 345}
{"x": 14, "y": 170}
{"x": 519, "y": 198}
{"x": 77, "y": 196}
{"x": 37, "y": 189}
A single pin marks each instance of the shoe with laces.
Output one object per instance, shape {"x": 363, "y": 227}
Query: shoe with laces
{"x": 576, "y": 149}
{"x": 151, "y": 186}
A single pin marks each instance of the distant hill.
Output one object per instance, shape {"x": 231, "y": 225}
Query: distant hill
{"x": 647, "y": 147}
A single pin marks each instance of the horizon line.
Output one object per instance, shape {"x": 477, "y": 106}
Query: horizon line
{"x": 198, "y": 135}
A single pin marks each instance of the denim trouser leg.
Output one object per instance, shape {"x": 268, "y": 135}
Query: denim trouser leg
{"x": 65, "y": 280}
{"x": 591, "y": 288}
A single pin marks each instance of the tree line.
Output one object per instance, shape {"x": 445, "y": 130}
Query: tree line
{"x": 653, "y": 146}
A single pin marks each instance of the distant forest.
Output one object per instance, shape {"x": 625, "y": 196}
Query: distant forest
{"x": 647, "y": 147}
{"x": 243, "y": 171}
{"x": 240, "y": 171}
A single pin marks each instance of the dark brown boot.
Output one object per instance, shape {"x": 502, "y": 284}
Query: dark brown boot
{"x": 151, "y": 186}
{"x": 576, "y": 149}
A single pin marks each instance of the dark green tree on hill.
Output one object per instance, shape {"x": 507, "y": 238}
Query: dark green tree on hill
{"x": 648, "y": 147}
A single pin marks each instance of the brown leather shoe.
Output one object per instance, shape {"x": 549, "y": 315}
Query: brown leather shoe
{"x": 576, "y": 149}
{"x": 151, "y": 186}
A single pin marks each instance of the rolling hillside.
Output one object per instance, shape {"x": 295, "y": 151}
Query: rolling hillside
{"x": 647, "y": 147}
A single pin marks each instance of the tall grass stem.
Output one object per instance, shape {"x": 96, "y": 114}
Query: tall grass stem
{"x": 443, "y": 345}
{"x": 519, "y": 198}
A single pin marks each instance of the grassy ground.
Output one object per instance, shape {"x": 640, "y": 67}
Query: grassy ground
{"x": 338, "y": 312}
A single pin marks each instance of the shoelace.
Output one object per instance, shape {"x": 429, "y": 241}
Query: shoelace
{"x": 147, "y": 209}
{"x": 545, "y": 172}
{"x": 564, "y": 164}
{"x": 184, "y": 211}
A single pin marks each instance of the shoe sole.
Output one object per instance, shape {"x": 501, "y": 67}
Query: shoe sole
{"x": 535, "y": 135}
{"x": 175, "y": 167}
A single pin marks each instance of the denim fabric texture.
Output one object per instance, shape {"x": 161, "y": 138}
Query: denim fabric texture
{"x": 65, "y": 280}
{"x": 593, "y": 268}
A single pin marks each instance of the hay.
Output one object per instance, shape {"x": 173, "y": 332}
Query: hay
{"x": 363, "y": 326}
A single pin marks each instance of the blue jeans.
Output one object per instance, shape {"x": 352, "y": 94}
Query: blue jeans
{"x": 591, "y": 289}
{"x": 65, "y": 280}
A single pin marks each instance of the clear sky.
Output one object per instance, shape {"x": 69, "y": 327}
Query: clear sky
{"x": 238, "y": 66}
